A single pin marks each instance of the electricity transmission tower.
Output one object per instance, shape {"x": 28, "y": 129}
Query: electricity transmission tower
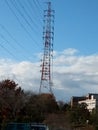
{"x": 46, "y": 82}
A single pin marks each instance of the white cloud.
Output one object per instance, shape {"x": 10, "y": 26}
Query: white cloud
{"x": 70, "y": 51}
{"x": 73, "y": 74}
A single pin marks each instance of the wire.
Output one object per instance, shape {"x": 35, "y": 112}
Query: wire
{"x": 18, "y": 19}
{"x": 21, "y": 12}
{"x": 21, "y": 24}
{"x": 3, "y": 37}
{"x": 39, "y": 4}
{"x": 35, "y": 10}
{"x": 25, "y": 19}
{"x": 8, "y": 51}
{"x": 22, "y": 15}
{"x": 32, "y": 21}
{"x": 35, "y": 19}
{"x": 13, "y": 38}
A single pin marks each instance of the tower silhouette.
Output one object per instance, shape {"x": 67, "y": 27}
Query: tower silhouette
{"x": 46, "y": 82}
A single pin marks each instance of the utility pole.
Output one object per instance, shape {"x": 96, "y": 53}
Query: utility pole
{"x": 46, "y": 82}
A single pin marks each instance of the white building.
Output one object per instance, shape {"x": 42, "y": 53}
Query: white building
{"x": 91, "y": 100}
{"x": 91, "y": 103}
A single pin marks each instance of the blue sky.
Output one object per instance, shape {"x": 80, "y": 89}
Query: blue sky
{"x": 77, "y": 25}
{"x": 75, "y": 44}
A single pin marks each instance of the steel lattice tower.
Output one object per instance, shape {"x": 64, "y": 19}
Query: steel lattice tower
{"x": 47, "y": 60}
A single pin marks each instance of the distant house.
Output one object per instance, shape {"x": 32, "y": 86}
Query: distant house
{"x": 91, "y": 100}
{"x": 75, "y": 100}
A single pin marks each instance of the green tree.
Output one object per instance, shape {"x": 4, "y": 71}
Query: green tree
{"x": 94, "y": 118}
{"x": 79, "y": 114}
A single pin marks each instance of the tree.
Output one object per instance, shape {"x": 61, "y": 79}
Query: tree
{"x": 63, "y": 106}
{"x": 94, "y": 117}
{"x": 47, "y": 103}
{"x": 38, "y": 106}
{"x": 79, "y": 114}
{"x": 11, "y": 99}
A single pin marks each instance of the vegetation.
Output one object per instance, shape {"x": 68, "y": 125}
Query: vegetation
{"x": 19, "y": 106}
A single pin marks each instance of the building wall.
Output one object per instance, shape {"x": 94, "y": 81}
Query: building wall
{"x": 91, "y": 100}
{"x": 91, "y": 104}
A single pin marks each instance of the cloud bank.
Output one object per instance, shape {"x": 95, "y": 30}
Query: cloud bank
{"x": 73, "y": 74}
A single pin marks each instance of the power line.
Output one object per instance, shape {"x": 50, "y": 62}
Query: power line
{"x": 32, "y": 21}
{"x": 25, "y": 19}
{"x": 13, "y": 38}
{"x": 37, "y": 5}
{"x": 7, "y": 50}
{"x": 3, "y": 37}
{"x": 18, "y": 19}
{"x": 21, "y": 24}
{"x": 22, "y": 15}
{"x": 36, "y": 11}
{"x": 36, "y": 20}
